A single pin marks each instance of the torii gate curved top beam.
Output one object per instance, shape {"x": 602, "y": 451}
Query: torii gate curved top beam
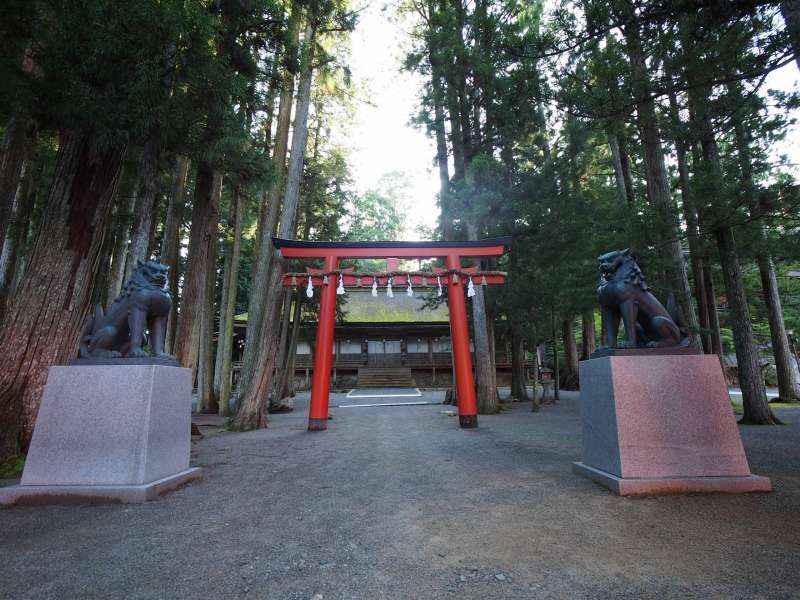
{"x": 452, "y": 252}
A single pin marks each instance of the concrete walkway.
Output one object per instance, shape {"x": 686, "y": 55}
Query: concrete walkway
{"x": 397, "y": 502}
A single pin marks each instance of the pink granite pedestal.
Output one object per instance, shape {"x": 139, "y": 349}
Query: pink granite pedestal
{"x": 661, "y": 424}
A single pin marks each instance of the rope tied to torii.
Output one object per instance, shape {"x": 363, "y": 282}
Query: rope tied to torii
{"x": 391, "y": 277}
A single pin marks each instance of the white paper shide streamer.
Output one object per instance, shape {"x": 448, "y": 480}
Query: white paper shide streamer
{"x": 340, "y": 287}
{"x": 374, "y": 287}
{"x": 389, "y": 288}
{"x": 470, "y": 288}
{"x": 439, "y": 290}
{"x": 409, "y": 289}
{"x": 310, "y": 288}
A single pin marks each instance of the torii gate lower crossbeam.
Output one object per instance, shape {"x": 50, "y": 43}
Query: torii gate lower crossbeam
{"x": 333, "y": 252}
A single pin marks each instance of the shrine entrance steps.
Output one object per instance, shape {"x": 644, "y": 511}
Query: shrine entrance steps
{"x": 376, "y": 377}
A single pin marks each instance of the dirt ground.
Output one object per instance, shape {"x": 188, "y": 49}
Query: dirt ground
{"x": 398, "y": 502}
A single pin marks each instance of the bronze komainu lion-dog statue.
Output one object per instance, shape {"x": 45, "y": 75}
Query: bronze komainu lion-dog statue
{"x": 143, "y": 304}
{"x": 624, "y": 295}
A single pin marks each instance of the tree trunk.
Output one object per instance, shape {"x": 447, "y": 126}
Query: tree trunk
{"x": 754, "y": 394}
{"x": 205, "y": 216}
{"x": 206, "y": 401}
{"x": 126, "y": 203}
{"x": 518, "y": 389}
{"x": 288, "y": 384}
{"x": 171, "y": 242}
{"x": 441, "y": 158}
{"x": 713, "y": 313}
{"x": 556, "y": 366}
{"x": 787, "y": 385}
{"x": 147, "y": 187}
{"x": 45, "y": 317}
{"x": 790, "y": 9}
{"x": 15, "y": 236}
{"x": 622, "y": 174}
{"x": 268, "y": 219}
{"x": 485, "y": 388}
{"x": 588, "y": 341}
{"x": 569, "y": 378}
{"x": 283, "y": 351}
{"x": 697, "y": 250}
{"x": 658, "y": 185}
{"x": 228, "y": 307}
{"x": 16, "y": 145}
{"x": 251, "y": 412}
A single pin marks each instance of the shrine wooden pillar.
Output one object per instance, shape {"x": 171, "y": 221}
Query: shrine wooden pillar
{"x": 462, "y": 359}
{"x": 323, "y": 356}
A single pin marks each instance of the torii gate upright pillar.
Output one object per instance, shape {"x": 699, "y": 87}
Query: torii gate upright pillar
{"x": 462, "y": 359}
{"x": 323, "y": 351}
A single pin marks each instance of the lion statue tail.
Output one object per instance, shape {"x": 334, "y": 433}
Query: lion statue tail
{"x": 677, "y": 317}
{"x": 87, "y": 335}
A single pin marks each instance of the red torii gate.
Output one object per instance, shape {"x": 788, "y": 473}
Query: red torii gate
{"x": 455, "y": 275}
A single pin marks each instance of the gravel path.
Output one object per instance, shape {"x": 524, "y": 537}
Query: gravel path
{"x": 397, "y": 502}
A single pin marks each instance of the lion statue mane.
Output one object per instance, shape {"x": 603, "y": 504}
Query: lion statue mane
{"x": 142, "y": 306}
{"x": 624, "y": 296}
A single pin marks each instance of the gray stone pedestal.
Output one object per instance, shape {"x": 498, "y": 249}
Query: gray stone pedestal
{"x": 108, "y": 433}
{"x": 658, "y": 424}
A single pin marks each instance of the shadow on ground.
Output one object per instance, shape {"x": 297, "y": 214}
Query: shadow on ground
{"x": 397, "y": 502}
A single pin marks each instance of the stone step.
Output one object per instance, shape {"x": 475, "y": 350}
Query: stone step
{"x": 375, "y": 377}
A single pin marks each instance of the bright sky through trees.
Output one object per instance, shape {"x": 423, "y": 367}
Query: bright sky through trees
{"x": 381, "y": 138}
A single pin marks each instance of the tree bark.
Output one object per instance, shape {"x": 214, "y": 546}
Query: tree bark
{"x": 713, "y": 313}
{"x": 790, "y": 9}
{"x": 697, "y": 250}
{"x": 126, "y": 204}
{"x": 228, "y": 308}
{"x": 441, "y": 156}
{"x": 45, "y": 317}
{"x": 147, "y": 188}
{"x": 658, "y": 185}
{"x": 268, "y": 218}
{"x": 18, "y": 227}
{"x": 569, "y": 378}
{"x": 486, "y": 391}
{"x": 288, "y": 384}
{"x": 251, "y": 412}
{"x": 206, "y": 401}
{"x": 205, "y": 216}
{"x": 171, "y": 242}
{"x": 518, "y": 389}
{"x": 751, "y": 381}
{"x": 14, "y": 151}
{"x": 588, "y": 338}
{"x": 283, "y": 351}
{"x": 787, "y": 385}
{"x": 622, "y": 175}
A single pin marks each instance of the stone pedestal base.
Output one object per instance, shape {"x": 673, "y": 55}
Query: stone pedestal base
{"x": 32, "y": 495}
{"x": 658, "y": 486}
{"x": 116, "y": 433}
{"x": 661, "y": 424}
